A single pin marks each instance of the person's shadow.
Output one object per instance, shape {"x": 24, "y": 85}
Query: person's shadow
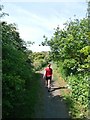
{"x": 56, "y": 88}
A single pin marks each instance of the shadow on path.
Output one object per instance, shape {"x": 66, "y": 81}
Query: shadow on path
{"x": 56, "y": 88}
{"x": 53, "y": 105}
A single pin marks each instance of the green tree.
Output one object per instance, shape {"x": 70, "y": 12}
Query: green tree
{"x": 67, "y": 44}
{"x": 17, "y": 68}
{"x": 70, "y": 49}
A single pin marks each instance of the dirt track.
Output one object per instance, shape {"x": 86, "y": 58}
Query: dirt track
{"x": 51, "y": 104}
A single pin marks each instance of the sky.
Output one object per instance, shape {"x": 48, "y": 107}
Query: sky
{"x": 36, "y": 19}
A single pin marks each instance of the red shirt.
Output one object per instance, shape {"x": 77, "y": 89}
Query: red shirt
{"x": 48, "y": 72}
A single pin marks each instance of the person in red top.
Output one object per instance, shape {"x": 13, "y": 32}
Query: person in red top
{"x": 48, "y": 72}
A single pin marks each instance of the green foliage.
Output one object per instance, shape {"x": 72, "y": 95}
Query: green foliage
{"x": 40, "y": 59}
{"x": 70, "y": 66}
{"x": 70, "y": 44}
{"x": 70, "y": 49}
{"x": 79, "y": 87}
{"x": 85, "y": 50}
{"x": 17, "y": 69}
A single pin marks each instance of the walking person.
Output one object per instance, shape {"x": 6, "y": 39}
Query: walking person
{"x": 48, "y": 72}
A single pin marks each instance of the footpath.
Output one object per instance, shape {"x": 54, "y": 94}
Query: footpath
{"x": 51, "y": 104}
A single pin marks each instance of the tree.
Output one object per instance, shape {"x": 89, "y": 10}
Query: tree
{"x": 67, "y": 45}
{"x": 17, "y": 68}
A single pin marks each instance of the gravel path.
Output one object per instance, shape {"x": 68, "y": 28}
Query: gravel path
{"x": 51, "y": 104}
